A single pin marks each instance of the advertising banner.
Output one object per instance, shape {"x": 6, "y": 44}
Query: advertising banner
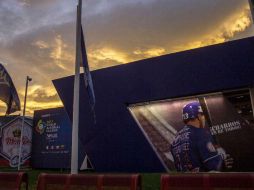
{"x": 10, "y": 142}
{"x": 51, "y": 139}
{"x": 234, "y": 133}
{"x": 161, "y": 122}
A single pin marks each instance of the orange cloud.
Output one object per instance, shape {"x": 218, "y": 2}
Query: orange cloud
{"x": 61, "y": 54}
{"x": 107, "y": 56}
{"x": 237, "y": 23}
{"x": 40, "y": 97}
{"x": 152, "y": 52}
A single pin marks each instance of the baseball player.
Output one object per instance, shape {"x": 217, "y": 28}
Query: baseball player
{"x": 193, "y": 149}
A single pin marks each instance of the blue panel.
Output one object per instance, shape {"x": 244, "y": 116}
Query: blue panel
{"x": 116, "y": 143}
{"x": 51, "y": 146}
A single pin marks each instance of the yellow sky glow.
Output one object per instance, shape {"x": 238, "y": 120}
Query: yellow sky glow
{"x": 152, "y": 52}
{"x": 106, "y": 53}
{"x": 237, "y": 23}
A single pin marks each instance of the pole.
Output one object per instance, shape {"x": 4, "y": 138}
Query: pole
{"x": 75, "y": 117}
{"x": 22, "y": 125}
{"x": 251, "y": 90}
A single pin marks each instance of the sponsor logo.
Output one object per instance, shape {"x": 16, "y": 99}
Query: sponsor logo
{"x": 10, "y": 142}
{"x": 40, "y": 127}
{"x": 225, "y": 127}
{"x": 16, "y": 141}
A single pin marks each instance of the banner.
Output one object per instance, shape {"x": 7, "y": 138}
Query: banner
{"x": 10, "y": 140}
{"x": 160, "y": 122}
{"x": 51, "y": 139}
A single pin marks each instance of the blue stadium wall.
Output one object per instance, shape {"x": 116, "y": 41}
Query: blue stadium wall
{"x": 115, "y": 142}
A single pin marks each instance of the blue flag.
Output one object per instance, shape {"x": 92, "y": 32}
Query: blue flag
{"x": 87, "y": 75}
{"x": 251, "y": 2}
{"x": 8, "y": 93}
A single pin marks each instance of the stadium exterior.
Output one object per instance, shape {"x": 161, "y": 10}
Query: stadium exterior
{"x": 116, "y": 142}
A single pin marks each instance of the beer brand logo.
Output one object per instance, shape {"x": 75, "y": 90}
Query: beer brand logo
{"x": 40, "y": 127}
{"x": 16, "y": 133}
{"x": 16, "y": 141}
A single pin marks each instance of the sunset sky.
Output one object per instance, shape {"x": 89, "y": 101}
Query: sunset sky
{"x": 37, "y": 37}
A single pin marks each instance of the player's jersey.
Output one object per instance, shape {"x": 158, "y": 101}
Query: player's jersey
{"x": 193, "y": 150}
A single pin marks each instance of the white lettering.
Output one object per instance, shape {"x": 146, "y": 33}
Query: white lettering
{"x": 225, "y": 127}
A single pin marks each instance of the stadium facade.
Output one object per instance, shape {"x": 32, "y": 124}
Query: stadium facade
{"x": 120, "y": 142}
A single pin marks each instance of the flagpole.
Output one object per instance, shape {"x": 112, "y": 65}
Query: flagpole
{"x": 22, "y": 124}
{"x": 75, "y": 119}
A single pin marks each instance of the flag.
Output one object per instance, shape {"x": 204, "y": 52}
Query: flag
{"x": 251, "y": 3}
{"x": 8, "y": 93}
{"x": 87, "y": 74}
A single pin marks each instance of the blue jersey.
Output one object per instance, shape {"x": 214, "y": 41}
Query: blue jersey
{"x": 193, "y": 150}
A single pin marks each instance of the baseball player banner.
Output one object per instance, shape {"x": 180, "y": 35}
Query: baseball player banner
{"x": 225, "y": 140}
{"x": 51, "y": 139}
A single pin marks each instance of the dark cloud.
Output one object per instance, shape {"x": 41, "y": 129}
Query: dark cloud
{"x": 37, "y": 37}
{"x": 11, "y": 20}
{"x": 38, "y": 2}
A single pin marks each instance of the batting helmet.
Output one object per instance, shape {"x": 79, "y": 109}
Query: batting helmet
{"x": 191, "y": 110}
